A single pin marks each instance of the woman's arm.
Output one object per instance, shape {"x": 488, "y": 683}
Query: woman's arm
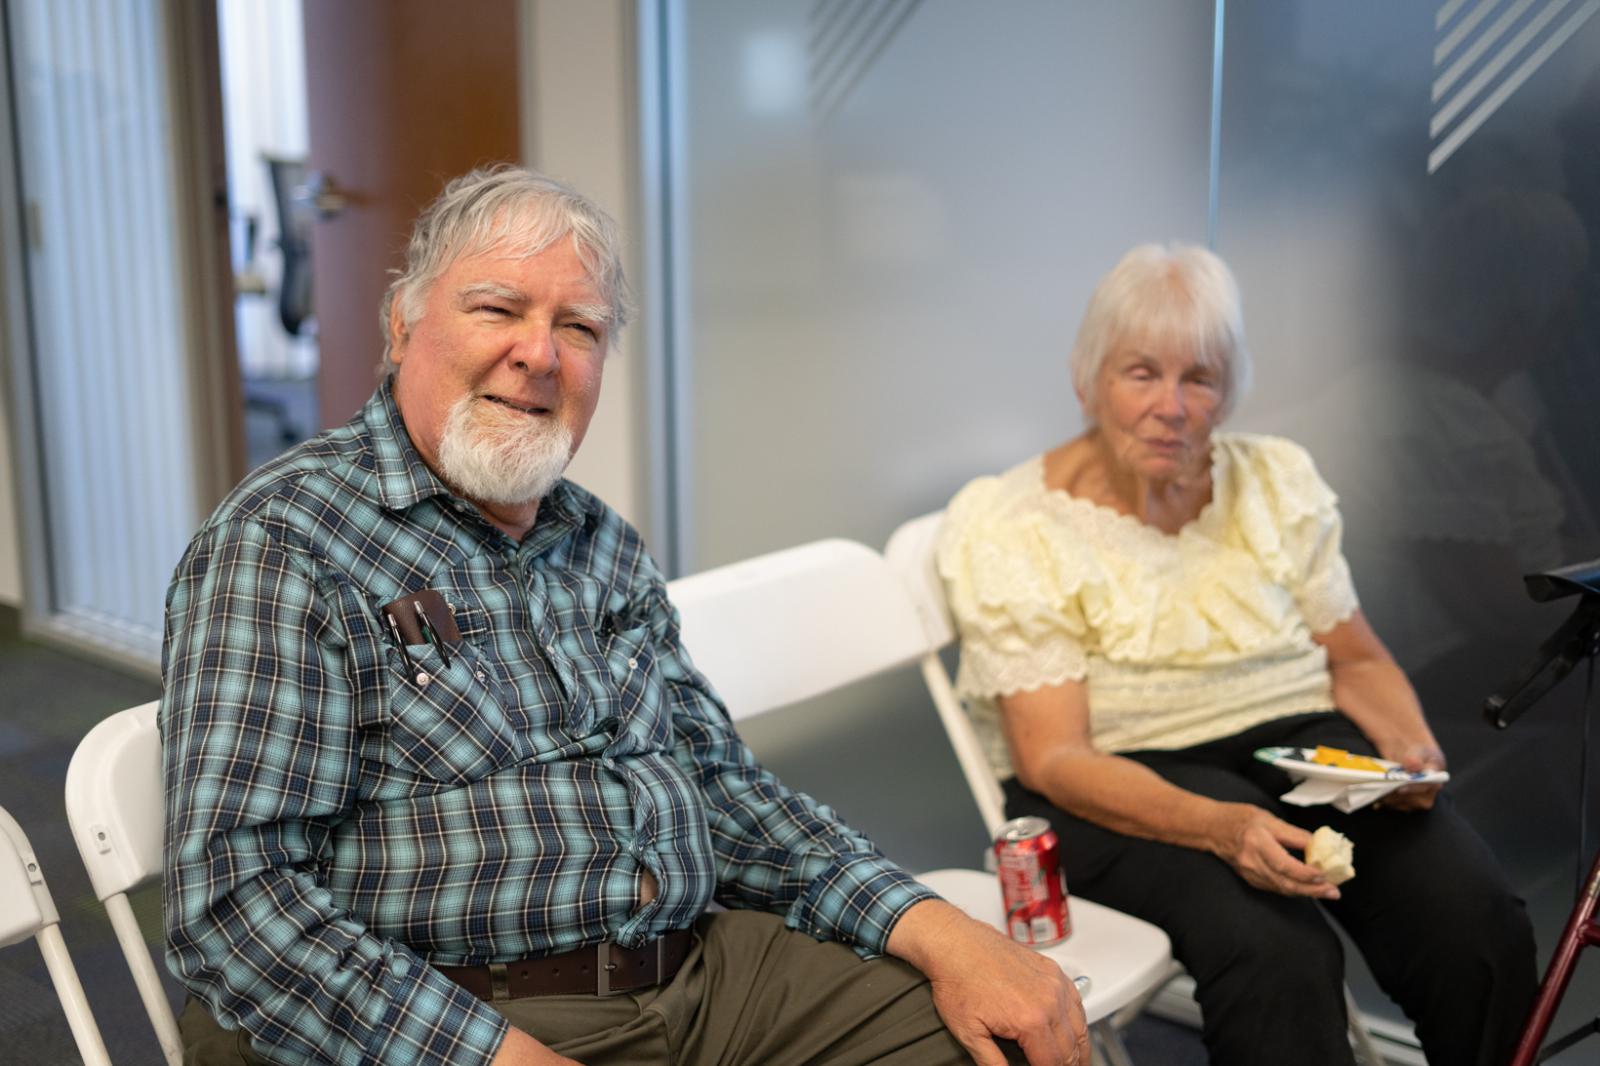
{"x": 1370, "y": 689}
{"x": 1048, "y": 733}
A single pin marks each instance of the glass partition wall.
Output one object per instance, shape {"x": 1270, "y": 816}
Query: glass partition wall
{"x": 115, "y": 350}
{"x": 1411, "y": 199}
{"x": 890, "y": 215}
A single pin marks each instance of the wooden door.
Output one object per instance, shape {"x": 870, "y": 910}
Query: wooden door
{"x": 401, "y": 95}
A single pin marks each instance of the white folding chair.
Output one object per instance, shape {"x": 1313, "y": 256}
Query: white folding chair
{"x": 114, "y": 805}
{"x": 910, "y": 554}
{"x": 780, "y": 628}
{"x": 26, "y": 910}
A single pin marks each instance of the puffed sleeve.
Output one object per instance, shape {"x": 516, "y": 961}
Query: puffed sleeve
{"x": 1290, "y": 518}
{"x": 1015, "y": 599}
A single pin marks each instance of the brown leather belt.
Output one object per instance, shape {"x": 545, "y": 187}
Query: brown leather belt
{"x": 596, "y": 970}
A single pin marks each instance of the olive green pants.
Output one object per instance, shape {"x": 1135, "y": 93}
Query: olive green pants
{"x": 751, "y": 993}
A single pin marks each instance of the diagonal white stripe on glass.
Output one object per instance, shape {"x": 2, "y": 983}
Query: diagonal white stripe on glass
{"x": 1454, "y": 38}
{"x": 1480, "y": 46}
{"x": 1446, "y": 12}
{"x": 1459, "y": 135}
{"x": 1458, "y": 103}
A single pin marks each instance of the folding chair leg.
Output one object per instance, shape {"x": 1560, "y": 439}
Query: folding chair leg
{"x": 1367, "y": 1053}
{"x": 1106, "y": 1043}
{"x": 69, "y": 990}
{"x": 1137, "y": 1007}
{"x": 145, "y": 977}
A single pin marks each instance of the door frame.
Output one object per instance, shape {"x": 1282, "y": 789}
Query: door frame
{"x": 194, "y": 95}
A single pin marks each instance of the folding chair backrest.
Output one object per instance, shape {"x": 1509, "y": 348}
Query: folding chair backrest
{"x": 780, "y": 628}
{"x": 27, "y": 911}
{"x": 910, "y": 554}
{"x": 114, "y": 804}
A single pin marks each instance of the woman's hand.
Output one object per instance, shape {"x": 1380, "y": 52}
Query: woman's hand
{"x": 1421, "y": 756}
{"x": 1371, "y": 691}
{"x": 1256, "y": 844}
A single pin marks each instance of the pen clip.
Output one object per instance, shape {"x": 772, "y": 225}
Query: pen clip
{"x": 431, "y": 633}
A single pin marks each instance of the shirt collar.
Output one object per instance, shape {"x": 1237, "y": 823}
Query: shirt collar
{"x": 404, "y": 479}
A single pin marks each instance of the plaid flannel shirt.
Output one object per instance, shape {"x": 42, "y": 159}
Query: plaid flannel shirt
{"x": 341, "y": 812}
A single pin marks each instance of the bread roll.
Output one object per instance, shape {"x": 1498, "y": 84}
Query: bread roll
{"x": 1331, "y": 852}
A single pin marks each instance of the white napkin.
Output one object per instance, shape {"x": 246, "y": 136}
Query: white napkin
{"x": 1347, "y": 796}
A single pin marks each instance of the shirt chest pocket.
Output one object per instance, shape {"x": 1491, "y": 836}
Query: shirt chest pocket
{"x": 637, "y": 694}
{"x": 449, "y": 721}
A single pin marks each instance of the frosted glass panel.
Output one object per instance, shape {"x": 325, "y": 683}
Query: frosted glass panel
{"x": 1412, "y": 204}
{"x": 106, "y": 312}
{"x": 895, "y": 214}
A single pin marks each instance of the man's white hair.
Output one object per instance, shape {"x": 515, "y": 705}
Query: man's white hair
{"x": 514, "y": 210}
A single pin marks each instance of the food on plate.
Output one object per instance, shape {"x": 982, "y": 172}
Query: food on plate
{"x": 1331, "y": 852}
{"x": 1326, "y": 756}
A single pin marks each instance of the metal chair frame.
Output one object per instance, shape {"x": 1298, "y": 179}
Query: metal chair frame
{"x": 114, "y": 805}
{"x": 27, "y": 911}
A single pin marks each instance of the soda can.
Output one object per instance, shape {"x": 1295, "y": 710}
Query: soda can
{"x": 1032, "y": 883}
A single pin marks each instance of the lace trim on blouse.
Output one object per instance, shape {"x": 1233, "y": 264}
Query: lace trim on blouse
{"x": 1047, "y": 587}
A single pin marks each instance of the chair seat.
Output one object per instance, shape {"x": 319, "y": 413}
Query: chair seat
{"x": 1123, "y": 957}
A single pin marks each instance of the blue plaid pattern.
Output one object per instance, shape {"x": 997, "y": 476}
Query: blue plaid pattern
{"x": 341, "y": 814}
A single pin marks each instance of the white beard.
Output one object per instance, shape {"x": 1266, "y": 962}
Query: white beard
{"x": 492, "y": 454}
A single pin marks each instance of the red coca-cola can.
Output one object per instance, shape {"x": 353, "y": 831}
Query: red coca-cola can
{"x": 1032, "y": 883}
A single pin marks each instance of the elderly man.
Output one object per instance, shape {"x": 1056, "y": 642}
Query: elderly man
{"x": 441, "y": 780}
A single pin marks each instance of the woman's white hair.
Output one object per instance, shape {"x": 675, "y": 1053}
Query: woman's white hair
{"x": 514, "y": 209}
{"x": 1162, "y": 295}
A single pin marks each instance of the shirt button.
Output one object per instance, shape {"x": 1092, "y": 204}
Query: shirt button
{"x": 633, "y": 664}
{"x": 423, "y": 678}
{"x": 479, "y": 674}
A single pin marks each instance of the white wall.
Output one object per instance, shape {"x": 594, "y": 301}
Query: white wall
{"x": 579, "y": 108}
{"x": 10, "y": 527}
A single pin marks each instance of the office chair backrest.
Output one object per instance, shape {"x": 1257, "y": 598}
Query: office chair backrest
{"x": 115, "y": 807}
{"x": 783, "y": 627}
{"x": 27, "y": 911}
{"x": 295, "y": 220}
{"x": 910, "y": 554}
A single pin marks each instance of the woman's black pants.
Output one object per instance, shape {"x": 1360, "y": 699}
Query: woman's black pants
{"x": 1429, "y": 909}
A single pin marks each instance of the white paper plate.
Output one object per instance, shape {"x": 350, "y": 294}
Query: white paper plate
{"x": 1297, "y": 762}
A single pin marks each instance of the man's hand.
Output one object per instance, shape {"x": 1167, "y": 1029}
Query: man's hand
{"x": 1256, "y": 844}
{"x": 986, "y": 985}
{"x": 520, "y": 1049}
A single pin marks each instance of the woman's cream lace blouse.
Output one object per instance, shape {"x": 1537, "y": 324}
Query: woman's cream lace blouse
{"x": 1182, "y": 638}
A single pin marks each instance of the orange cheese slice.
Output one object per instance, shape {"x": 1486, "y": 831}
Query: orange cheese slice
{"x": 1326, "y": 756}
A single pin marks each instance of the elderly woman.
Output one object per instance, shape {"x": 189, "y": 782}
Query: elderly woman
{"x": 1145, "y": 606}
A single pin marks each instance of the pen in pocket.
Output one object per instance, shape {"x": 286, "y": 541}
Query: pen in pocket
{"x": 400, "y": 641}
